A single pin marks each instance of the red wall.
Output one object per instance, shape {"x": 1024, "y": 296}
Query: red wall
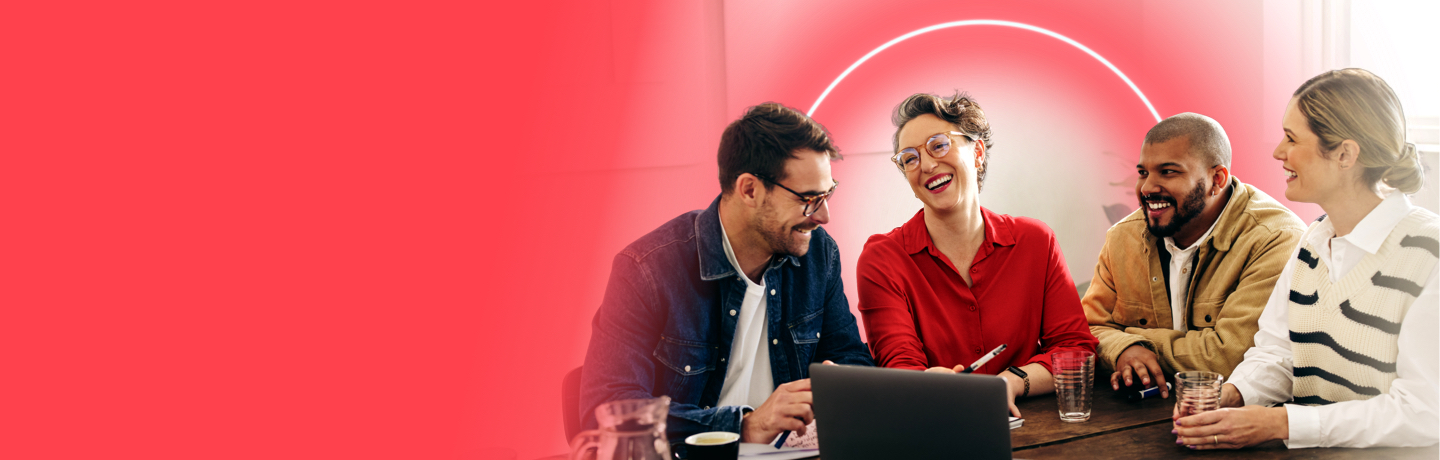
{"x": 380, "y": 230}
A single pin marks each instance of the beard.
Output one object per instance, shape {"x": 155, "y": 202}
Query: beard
{"x": 781, "y": 239}
{"x": 1185, "y": 211}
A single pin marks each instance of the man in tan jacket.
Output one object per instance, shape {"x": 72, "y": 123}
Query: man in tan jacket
{"x": 1181, "y": 281}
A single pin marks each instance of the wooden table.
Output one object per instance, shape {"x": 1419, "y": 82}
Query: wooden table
{"x": 1119, "y": 429}
{"x": 1109, "y": 414}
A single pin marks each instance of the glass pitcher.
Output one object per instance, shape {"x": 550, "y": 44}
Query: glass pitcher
{"x": 632, "y": 429}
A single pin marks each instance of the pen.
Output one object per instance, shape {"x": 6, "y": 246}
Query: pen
{"x": 780, "y": 441}
{"x": 983, "y": 359}
{"x": 1146, "y": 393}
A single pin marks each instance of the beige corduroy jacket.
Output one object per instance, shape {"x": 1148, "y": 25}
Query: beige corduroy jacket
{"x": 1235, "y": 270}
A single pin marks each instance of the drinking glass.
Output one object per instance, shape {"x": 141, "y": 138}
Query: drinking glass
{"x": 1074, "y": 383}
{"x": 1197, "y": 392}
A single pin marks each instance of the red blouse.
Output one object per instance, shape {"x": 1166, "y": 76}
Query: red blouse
{"x": 919, "y": 313}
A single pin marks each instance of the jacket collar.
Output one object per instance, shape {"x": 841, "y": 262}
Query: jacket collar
{"x": 915, "y": 237}
{"x": 710, "y": 245}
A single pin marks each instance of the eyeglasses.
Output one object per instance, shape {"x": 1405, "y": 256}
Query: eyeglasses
{"x": 907, "y": 159}
{"x": 812, "y": 202}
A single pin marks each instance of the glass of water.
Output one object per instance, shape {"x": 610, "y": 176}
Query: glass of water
{"x": 1197, "y": 392}
{"x": 1074, "y": 383}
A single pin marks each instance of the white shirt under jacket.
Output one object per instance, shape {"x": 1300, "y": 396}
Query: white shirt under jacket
{"x": 1407, "y": 415}
{"x": 748, "y": 381}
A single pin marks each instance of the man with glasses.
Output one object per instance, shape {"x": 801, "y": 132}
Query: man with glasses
{"x": 724, "y": 309}
{"x": 1181, "y": 282}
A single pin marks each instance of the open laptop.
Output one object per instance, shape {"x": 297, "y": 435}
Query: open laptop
{"x": 870, "y": 413}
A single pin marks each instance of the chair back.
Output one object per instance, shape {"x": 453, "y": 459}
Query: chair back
{"x": 570, "y": 403}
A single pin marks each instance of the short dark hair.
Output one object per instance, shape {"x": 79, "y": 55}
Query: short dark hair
{"x": 960, "y": 110}
{"x": 764, "y": 138}
{"x": 1208, "y": 141}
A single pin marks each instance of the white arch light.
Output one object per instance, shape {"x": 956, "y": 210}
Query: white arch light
{"x": 985, "y": 22}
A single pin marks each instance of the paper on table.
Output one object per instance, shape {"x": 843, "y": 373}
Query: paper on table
{"x": 808, "y": 440}
{"x": 767, "y": 452}
{"x": 1016, "y": 422}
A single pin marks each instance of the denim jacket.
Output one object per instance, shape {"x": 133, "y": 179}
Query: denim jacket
{"x": 663, "y": 326}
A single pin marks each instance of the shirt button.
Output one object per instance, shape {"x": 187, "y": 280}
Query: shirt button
{"x": 775, "y": 342}
{"x": 732, "y": 312}
{"x": 817, "y": 334}
{"x": 1143, "y": 321}
{"x": 772, "y": 292}
{"x": 707, "y": 407}
{"x": 1154, "y": 278}
{"x": 977, "y": 350}
{"x": 1207, "y": 317}
{"x": 974, "y": 270}
{"x": 722, "y": 360}
{"x": 1185, "y": 270}
{"x": 687, "y": 368}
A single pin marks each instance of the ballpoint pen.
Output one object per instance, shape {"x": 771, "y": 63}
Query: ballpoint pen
{"x": 780, "y": 441}
{"x": 984, "y": 359}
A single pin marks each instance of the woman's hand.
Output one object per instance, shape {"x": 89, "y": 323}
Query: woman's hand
{"x": 1013, "y": 387}
{"x": 1232, "y": 428}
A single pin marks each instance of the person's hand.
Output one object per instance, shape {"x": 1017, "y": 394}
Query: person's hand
{"x": 1139, "y": 363}
{"x": 1232, "y": 428}
{"x": 1014, "y": 385}
{"x": 941, "y": 370}
{"x": 829, "y": 363}
{"x": 787, "y": 409}
{"x": 1230, "y": 396}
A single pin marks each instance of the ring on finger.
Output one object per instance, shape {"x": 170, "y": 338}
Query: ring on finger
{"x": 1217, "y": 438}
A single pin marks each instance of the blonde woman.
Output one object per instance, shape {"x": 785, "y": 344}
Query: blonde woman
{"x": 1348, "y": 339}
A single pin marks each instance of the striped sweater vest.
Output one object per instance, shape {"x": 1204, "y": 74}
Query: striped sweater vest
{"x": 1345, "y": 334}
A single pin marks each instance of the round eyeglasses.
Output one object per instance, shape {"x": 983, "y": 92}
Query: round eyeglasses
{"x": 813, "y": 201}
{"x": 907, "y": 159}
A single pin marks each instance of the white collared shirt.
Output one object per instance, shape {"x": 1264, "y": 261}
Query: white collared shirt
{"x": 1406, "y": 415}
{"x": 1180, "y": 275}
{"x": 748, "y": 381}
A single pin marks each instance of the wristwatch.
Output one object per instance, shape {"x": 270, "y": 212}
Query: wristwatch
{"x": 1023, "y": 376}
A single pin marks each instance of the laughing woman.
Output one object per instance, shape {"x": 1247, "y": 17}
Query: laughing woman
{"x": 1348, "y": 339}
{"x": 957, "y": 280}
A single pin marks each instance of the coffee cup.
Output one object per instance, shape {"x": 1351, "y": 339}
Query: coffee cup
{"x": 713, "y": 445}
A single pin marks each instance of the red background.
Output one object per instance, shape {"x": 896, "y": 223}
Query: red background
{"x": 379, "y": 230}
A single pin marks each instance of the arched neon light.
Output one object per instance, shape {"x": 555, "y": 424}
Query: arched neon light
{"x": 986, "y": 22}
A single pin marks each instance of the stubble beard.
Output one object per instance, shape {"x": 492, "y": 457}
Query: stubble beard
{"x": 781, "y": 239}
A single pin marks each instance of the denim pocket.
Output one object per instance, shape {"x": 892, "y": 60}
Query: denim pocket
{"x": 806, "y": 330}
{"x": 689, "y": 364}
{"x": 683, "y": 357}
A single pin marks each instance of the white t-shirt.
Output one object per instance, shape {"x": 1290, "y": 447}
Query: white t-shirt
{"x": 748, "y": 381}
